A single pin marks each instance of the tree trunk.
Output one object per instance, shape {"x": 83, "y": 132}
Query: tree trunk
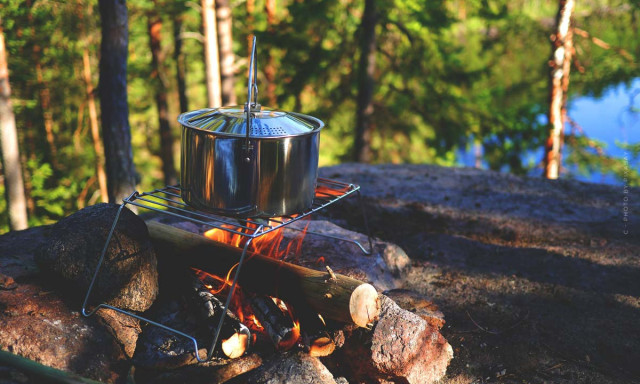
{"x": 28, "y": 153}
{"x": 560, "y": 62}
{"x": 95, "y": 130}
{"x": 270, "y": 69}
{"x": 166, "y": 138}
{"x": 180, "y": 64}
{"x": 251, "y": 5}
{"x": 121, "y": 174}
{"x": 14, "y": 185}
{"x": 225, "y": 51}
{"x": 44, "y": 95}
{"x": 45, "y": 104}
{"x": 212, "y": 62}
{"x": 366, "y": 69}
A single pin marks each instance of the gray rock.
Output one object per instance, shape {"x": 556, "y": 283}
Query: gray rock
{"x": 296, "y": 367}
{"x": 401, "y": 347}
{"x": 128, "y": 278}
{"x": 382, "y": 268}
{"x": 43, "y": 324}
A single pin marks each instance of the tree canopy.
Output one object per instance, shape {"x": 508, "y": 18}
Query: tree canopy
{"x": 448, "y": 76}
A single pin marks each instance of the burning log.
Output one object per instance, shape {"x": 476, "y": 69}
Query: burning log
{"x": 235, "y": 336}
{"x": 278, "y": 325}
{"x": 334, "y": 296}
{"x": 317, "y": 340}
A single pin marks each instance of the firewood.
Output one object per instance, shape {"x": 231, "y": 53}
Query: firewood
{"x": 315, "y": 336}
{"x": 234, "y": 335}
{"x": 278, "y": 325}
{"x": 336, "y": 296}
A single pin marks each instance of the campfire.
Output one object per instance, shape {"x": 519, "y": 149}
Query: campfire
{"x": 222, "y": 246}
{"x": 246, "y": 267}
{"x": 264, "y": 316}
{"x": 303, "y": 292}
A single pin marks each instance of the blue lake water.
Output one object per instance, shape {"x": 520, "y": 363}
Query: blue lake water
{"x": 611, "y": 119}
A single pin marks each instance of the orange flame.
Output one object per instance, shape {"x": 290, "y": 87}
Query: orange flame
{"x": 269, "y": 244}
{"x": 239, "y": 305}
{"x": 294, "y": 336}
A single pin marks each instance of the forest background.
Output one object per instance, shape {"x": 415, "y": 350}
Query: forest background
{"x": 449, "y": 77}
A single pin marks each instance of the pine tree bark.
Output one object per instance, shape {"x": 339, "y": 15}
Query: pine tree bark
{"x": 154, "y": 24}
{"x": 121, "y": 174}
{"x": 45, "y": 104}
{"x": 225, "y": 52}
{"x": 44, "y": 95}
{"x": 560, "y": 63}
{"x": 14, "y": 184}
{"x": 251, "y": 5}
{"x": 270, "y": 68}
{"x": 180, "y": 64}
{"x": 91, "y": 102}
{"x": 95, "y": 129}
{"x": 211, "y": 58}
{"x": 366, "y": 69}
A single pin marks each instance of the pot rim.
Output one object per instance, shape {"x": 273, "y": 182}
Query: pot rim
{"x": 183, "y": 119}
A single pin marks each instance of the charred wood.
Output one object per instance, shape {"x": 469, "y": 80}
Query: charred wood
{"x": 276, "y": 323}
{"x": 315, "y": 336}
{"x": 234, "y": 336}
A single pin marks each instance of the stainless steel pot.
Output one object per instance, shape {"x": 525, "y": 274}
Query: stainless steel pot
{"x": 251, "y": 161}
{"x": 276, "y": 177}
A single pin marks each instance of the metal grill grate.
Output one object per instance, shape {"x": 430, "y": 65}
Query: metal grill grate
{"x": 167, "y": 201}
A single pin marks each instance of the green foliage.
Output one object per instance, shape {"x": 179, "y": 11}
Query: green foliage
{"x": 50, "y": 198}
{"x": 588, "y": 156}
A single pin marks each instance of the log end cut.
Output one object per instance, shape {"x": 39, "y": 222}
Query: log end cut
{"x": 236, "y": 345}
{"x": 364, "y": 305}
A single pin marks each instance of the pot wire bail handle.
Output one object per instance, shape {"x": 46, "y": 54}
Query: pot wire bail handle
{"x": 252, "y": 98}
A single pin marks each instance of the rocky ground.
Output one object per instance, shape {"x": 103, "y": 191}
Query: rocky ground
{"x": 539, "y": 280}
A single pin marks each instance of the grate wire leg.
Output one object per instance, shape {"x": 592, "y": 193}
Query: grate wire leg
{"x": 231, "y": 290}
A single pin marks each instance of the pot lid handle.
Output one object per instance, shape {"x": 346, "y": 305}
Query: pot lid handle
{"x": 252, "y": 96}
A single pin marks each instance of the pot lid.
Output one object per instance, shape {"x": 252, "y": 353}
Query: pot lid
{"x": 265, "y": 122}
